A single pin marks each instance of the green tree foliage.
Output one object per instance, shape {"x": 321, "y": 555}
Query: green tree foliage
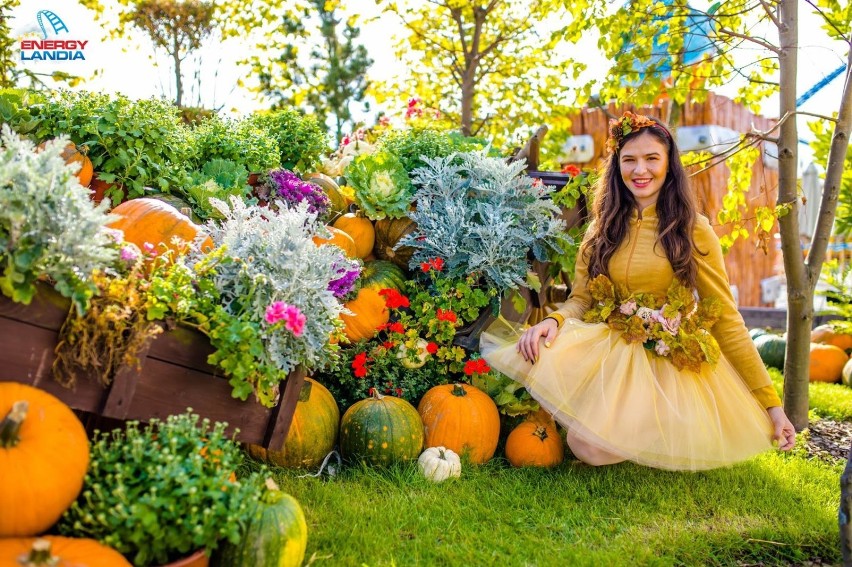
{"x": 331, "y": 80}
{"x": 181, "y": 26}
{"x": 492, "y": 68}
{"x": 178, "y": 28}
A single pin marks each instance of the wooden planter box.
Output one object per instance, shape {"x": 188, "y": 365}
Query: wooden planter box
{"x": 173, "y": 375}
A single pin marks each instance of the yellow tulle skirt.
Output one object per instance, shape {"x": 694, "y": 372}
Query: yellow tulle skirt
{"x": 626, "y": 400}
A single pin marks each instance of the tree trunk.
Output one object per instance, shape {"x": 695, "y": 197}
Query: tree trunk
{"x": 799, "y": 288}
{"x": 178, "y": 78}
{"x": 845, "y": 511}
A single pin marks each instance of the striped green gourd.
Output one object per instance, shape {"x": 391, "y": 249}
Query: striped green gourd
{"x": 276, "y": 536}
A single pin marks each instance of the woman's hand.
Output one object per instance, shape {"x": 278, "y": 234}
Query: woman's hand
{"x": 784, "y": 433}
{"x": 528, "y": 344}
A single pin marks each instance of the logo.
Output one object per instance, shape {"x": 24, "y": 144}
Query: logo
{"x": 50, "y": 48}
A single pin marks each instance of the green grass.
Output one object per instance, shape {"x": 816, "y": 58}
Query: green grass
{"x": 777, "y": 509}
{"x": 774, "y": 509}
{"x": 832, "y": 401}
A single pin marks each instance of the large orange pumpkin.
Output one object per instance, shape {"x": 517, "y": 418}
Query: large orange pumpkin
{"x": 361, "y": 229}
{"x": 36, "y": 429}
{"x": 313, "y": 431}
{"x": 369, "y": 312}
{"x": 462, "y": 418}
{"x": 826, "y": 363}
{"x": 155, "y": 222}
{"x": 534, "y": 444}
{"x": 56, "y": 551}
{"x": 340, "y": 239}
{"x": 826, "y": 334}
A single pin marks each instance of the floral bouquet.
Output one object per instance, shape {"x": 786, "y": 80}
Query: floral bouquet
{"x": 676, "y": 325}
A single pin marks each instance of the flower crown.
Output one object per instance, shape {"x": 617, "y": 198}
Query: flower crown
{"x": 627, "y": 124}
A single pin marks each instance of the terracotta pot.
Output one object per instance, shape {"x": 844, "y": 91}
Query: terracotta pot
{"x": 197, "y": 559}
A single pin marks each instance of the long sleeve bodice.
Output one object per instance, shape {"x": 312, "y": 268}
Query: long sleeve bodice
{"x": 641, "y": 265}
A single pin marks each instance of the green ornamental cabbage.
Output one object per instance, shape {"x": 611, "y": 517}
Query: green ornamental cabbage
{"x": 381, "y": 184}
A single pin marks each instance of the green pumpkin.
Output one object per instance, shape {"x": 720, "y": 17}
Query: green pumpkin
{"x": 381, "y": 430}
{"x": 313, "y": 431}
{"x": 276, "y": 536}
{"x": 772, "y": 350}
{"x": 382, "y": 274}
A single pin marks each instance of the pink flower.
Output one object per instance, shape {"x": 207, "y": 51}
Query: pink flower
{"x": 670, "y": 325}
{"x": 294, "y": 319}
{"x": 275, "y": 312}
{"x": 129, "y": 253}
{"x": 662, "y": 348}
{"x": 628, "y": 308}
{"x": 149, "y": 249}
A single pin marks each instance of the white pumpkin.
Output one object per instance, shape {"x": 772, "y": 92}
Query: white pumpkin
{"x": 439, "y": 463}
{"x": 416, "y": 360}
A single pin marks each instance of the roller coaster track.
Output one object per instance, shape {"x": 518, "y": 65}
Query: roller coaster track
{"x": 55, "y": 22}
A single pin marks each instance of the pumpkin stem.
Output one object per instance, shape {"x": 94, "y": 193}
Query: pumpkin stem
{"x": 39, "y": 555}
{"x": 11, "y": 424}
{"x": 541, "y": 432}
{"x": 377, "y": 395}
{"x": 441, "y": 455}
{"x": 458, "y": 390}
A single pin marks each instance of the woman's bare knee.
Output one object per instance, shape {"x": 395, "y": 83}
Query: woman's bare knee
{"x": 590, "y": 454}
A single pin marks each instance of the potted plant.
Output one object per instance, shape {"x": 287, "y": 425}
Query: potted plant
{"x": 163, "y": 491}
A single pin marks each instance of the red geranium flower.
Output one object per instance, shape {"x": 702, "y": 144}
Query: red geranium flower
{"x": 394, "y": 299}
{"x": 431, "y": 348}
{"x": 571, "y": 170}
{"x": 446, "y": 315}
{"x": 476, "y": 366}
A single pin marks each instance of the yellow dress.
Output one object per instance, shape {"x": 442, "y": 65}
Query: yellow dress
{"x": 628, "y": 401}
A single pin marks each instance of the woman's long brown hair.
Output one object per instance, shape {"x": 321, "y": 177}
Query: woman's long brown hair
{"x": 614, "y": 203}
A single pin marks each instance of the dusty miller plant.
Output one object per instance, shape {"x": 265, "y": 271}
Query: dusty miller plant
{"x": 271, "y": 259}
{"x": 49, "y": 227}
{"x": 481, "y": 215}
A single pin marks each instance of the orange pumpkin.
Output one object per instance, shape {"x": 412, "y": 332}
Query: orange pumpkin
{"x": 340, "y": 239}
{"x": 361, "y": 229}
{"x": 461, "y": 418}
{"x": 58, "y": 551}
{"x": 72, "y": 154}
{"x": 313, "y": 431}
{"x": 369, "y": 312}
{"x": 534, "y": 444}
{"x": 35, "y": 429}
{"x": 826, "y": 334}
{"x": 155, "y": 222}
{"x": 826, "y": 363}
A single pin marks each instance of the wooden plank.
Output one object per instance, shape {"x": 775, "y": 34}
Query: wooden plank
{"x": 184, "y": 347}
{"x": 26, "y": 353}
{"x": 48, "y": 309}
{"x": 165, "y": 389}
{"x": 773, "y": 318}
{"x": 282, "y": 415}
{"x": 124, "y": 386}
